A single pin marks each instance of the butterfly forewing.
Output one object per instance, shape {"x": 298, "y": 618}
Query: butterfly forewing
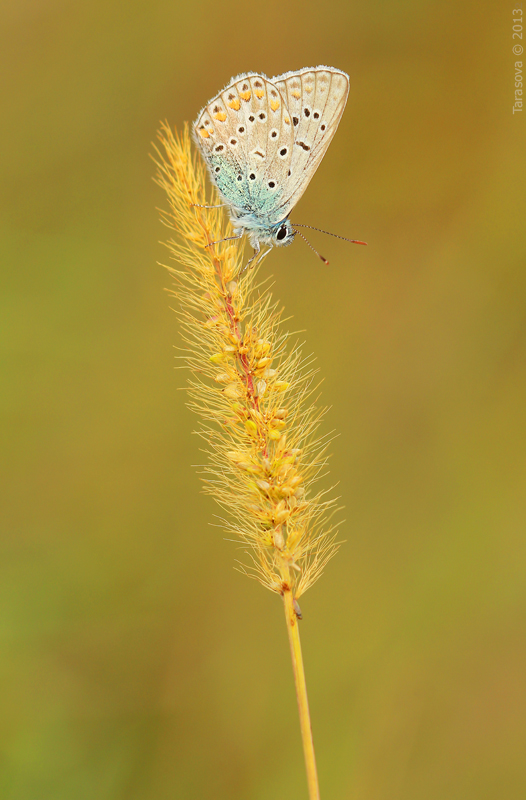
{"x": 246, "y": 137}
{"x": 213, "y": 129}
{"x": 316, "y": 100}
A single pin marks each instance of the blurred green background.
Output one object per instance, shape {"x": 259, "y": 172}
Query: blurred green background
{"x": 135, "y": 663}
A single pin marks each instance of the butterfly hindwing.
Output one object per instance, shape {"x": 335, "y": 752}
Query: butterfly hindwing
{"x": 246, "y": 137}
{"x": 316, "y": 100}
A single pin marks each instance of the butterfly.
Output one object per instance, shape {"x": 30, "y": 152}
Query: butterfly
{"x": 262, "y": 141}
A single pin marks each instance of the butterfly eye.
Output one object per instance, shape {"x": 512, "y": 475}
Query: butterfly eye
{"x": 281, "y": 233}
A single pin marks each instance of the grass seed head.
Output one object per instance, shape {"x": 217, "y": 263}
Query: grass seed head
{"x": 259, "y": 421}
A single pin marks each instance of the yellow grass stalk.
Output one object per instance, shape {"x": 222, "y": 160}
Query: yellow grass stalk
{"x": 254, "y": 394}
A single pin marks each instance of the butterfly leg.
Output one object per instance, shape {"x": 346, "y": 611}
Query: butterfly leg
{"x": 228, "y": 239}
{"x": 197, "y": 205}
{"x": 263, "y": 256}
{"x": 255, "y": 258}
{"x": 257, "y": 250}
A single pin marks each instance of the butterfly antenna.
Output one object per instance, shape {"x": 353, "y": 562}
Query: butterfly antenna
{"x": 353, "y": 241}
{"x": 312, "y": 248}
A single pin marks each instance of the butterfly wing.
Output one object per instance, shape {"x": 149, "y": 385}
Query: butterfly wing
{"x": 316, "y": 100}
{"x": 246, "y": 137}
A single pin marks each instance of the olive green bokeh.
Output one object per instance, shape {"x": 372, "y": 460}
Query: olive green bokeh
{"x": 135, "y": 662}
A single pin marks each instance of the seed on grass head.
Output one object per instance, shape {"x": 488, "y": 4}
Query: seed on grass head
{"x": 293, "y": 538}
{"x": 285, "y": 470}
{"x": 279, "y": 541}
{"x": 251, "y": 428}
{"x": 266, "y": 519}
{"x": 270, "y": 373}
{"x": 254, "y": 469}
{"x": 296, "y": 480}
{"x": 222, "y": 377}
{"x": 261, "y": 348}
{"x": 263, "y": 485}
{"x": 261, "y": 388}
{"x": 233, "y": 391}
{"x": 281, "y": 386}
{"x": 236, "y": 456}
{"x": 282, "y": 443}
{"x": 268, "y": 539}
{"x": 263, "y": 362}
{"x": 279, "y": 424}
{"x": 281, "y": 413}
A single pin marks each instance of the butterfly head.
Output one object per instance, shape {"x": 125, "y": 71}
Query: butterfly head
{"x": 272, "y": 234}
{"x": 283, "y": 233}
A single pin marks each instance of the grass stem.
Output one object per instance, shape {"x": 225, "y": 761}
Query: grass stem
{"x": 301, "y": 694}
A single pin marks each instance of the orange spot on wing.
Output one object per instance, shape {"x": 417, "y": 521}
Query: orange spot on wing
{"x": 296, "y": 94}
{"x": 308, "y": 89}
{"x": 204, "y": 133}
{"x": 221, "y": 116}
{"x": 274, "y": 104}
{"x": 287, "y": 121}
{"x": 259, "y": 93}
{"x": 245, "y": 96}
{"x": 235, "y": 104}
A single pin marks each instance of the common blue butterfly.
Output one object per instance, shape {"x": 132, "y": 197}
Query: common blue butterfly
{"x": 262, "y": 141}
